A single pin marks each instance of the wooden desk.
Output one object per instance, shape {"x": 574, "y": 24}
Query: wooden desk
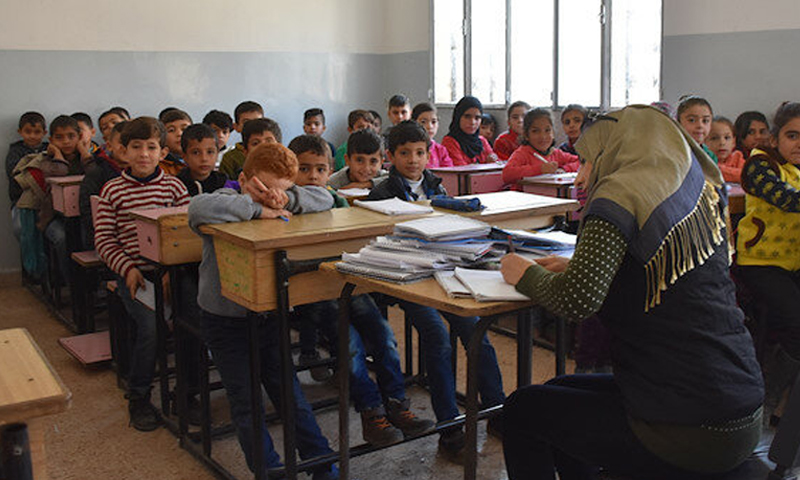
{"x": 29, "y": 387}
{"x": 164, "y": 236}
{"x": 65, "y": 192}
{"x": 556, "y": 185}
{"x": 518, "y": 210}
{"x": 736, "y": 198}
{"x": 473, "y": 178}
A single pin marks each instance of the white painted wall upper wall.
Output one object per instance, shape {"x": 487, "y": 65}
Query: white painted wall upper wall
{"x": 348, "y": 26}
{"x": 691, "y": 17}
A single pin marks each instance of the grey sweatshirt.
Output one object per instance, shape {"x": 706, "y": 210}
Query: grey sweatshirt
{"x": 342, "y": 178}
{"x": 227, "y": 205}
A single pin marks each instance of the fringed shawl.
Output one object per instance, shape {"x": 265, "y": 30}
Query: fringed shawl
{"x": 657, "y": 185}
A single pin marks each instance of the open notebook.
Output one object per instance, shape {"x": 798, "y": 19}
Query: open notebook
{"x": 488, "y": 285}
{"x": 394, "y": 206}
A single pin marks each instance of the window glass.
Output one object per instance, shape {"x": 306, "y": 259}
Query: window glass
{"x": 579, "y": 48}
{"x": 635, "y": 51}
{"x": 489, "y": 51}
{"x": 532, "y": 51}
{"x": 448, "y": 50}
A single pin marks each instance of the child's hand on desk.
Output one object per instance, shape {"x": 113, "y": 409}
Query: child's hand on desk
{"x": 549, "y": 167}
{"x": 267, "y": 212}
{"x": 513, "y": 267}
{"x": 134, "y": 280}
{"x": 553, "y": 263}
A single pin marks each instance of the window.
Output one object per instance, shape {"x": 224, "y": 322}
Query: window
{"x": 599, "y": 53}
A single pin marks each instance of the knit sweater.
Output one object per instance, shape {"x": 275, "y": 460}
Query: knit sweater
{"x": 115, "y": 229}
{"x": 506, "y": 144}
{"x": 731, "y": 167}
{"x": 527, "y": 162}
{"x": 460, "y": 158}
{"x": 233, "y": 161}
{"x": 439, "y": 156}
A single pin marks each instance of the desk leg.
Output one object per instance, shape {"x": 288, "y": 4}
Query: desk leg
{"x": 343, "y": 368}
{"x": 524, "y": 348}
{"x": 561, "y": 347}
{"x": 161, "y": 334}
{"x": 16, "y": 453}
{"x": 257, "y": 412}
{"x": 471, "y": 421}
{"x": 283, "y": 272}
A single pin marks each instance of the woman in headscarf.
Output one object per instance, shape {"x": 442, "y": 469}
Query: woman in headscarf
{"x": 464, "y": 142}
{"x": 652, "y": 258}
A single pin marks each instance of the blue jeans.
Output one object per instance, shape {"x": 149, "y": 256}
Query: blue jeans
{"x": 228, "y": 339}
{"x": 144, "y": 342}
{"x": 370, "y": 334}
{"x": 435, "y": 344}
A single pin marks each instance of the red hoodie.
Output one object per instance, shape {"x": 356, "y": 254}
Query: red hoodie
{"x": 527, "y": 162}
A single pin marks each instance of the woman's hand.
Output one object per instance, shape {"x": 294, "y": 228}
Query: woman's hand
{"x": 553, "y": 263}
{"x": 513, "y": 267}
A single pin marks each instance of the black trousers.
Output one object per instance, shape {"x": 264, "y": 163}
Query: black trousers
{"x": 779, "y": 291}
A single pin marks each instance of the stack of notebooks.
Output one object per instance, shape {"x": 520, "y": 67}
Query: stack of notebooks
{"x": 419, "y": 248}
{"x": 538, "y": 243}
{"x": 482, "y": 285}
{"x": 394, "y": 206}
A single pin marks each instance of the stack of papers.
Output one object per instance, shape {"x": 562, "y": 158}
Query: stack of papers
{"x": 353, "y": 192}
{"x": 394, "y": 206}
{"x": 488, "y": 286}
{"x": 443, "y": 228}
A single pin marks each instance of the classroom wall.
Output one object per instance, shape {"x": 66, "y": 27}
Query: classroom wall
{"x": 87, "y": 55}
{"x": 738, "y": 53}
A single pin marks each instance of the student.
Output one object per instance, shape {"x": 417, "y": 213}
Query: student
{"x": 463, "y": 142}
{"x": 572, "y": 119}
{"x": 199, "y": 145}
{"x": 752, "y": 131}
{"x": 268, "y": 191}
{"x": 537, "y": 156}
{"x": 399, "y": 109}
{"x": 685, "y": 397}
{"x": 409, "y": 180}
{"x": 314, "y": 124}
{"x": 107, "y": 164}
{"x": 175, "y": 122}
{"x": 86, "y": 145}
{"x": 233, "y": 160}
{"x": 364, "y": 158}
{"x": 767, "y": 251}
{"x": 109, "y": 118}
{"x": 425, "y": 114}
{"x": 222, "y": 124}
{"x": 260, "y": 130}
{"x": 722, "y": 142}
{"x": 385, "y": 414}
{"x": 141, "y": 185}
{"x": 695, "y": 115}
{"x": 32, "y": 129}
{"x": 511, "y": 139}
{"x": 356, "y": 120}
{"x": 488, "y": 128}
{"x": 377, "y": 121}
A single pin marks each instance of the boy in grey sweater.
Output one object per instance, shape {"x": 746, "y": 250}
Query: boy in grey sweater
{"x": 268, "y": 191}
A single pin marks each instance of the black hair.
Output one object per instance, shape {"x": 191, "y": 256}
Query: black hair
{"x": 421, "y": 108}
{"x": 144, "y": 128}
{"x": 517, "y": 104}
{"x": 197, "y": 132}
{"x": 174, "y": 115}
{"x": 32, "y": 118}
{"x": 314, "y": 112}
{"x": 376, "y": 118}
{"x": 689, "y": 101}
{"x": 742, "y": 124}
{"x": 488, "y": 119}
{"x": 164, "y": 112}
{"x": 119, "y": 127}
{"x": 64, "y": 121}
{"x": 218, "y": 118}
{"x": 120, "y": 111}
{"x": 310, "y": 143}
{"x": 407, "y": 131}
{"x": 399, "y": 100}
{"x": 726, "y": 121}
{"x": 364, "y": 141}
{"x": 533, "y": 115}
{"x": 357, "y": 115}
{"x": 83, "y": 118}
{"x": 574, "y": 107}
{"x": 785, "y": 113}
{"x": 245, "y": 107}
{"x": 260, "y": 125}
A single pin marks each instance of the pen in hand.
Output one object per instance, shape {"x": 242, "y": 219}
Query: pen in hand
{"x": 511, "y": 248}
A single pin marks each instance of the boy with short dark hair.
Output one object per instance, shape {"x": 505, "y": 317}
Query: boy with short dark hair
{"x": 175, "y": 122}
{"x": 143, "y": 184}
{"x": 267, "y": 191}
{"x": 32, "y": 129}
{"x": 409, "y": 180}
{"x": 314, "y": 124}
{"x": 233, "y": 160}
{"x": 222, "y": 124}
{"x": 111, "y": 117}
{"x": 364, "y": 159}
{"x": 399, "y": 109}
{"x": 258, "y": 131}
{"x": 356, "y": 120}
{"x": 86, "y": 143}
{"x": 199, "y": 144}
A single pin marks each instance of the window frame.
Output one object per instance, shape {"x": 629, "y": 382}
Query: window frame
{"x": 605, "y": 56}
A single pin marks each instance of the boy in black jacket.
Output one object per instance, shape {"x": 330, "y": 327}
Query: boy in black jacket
{"x": 200, "y": 152}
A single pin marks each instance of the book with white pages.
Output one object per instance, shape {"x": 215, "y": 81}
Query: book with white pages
{"x": 452, "y": 285}
{"x": 401, "y": 260}
{"x": 353, "y": 192}
{"x": 394, "y": 206}
{"x": 488, "y": 286}
{"x": 383, "y": 273}
{"x": 553, "y": 238}
{"x": 443, "y": 228}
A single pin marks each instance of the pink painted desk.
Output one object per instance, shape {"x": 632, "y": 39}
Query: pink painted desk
{"x": 556, "y": 185}
{"x": 65, "y": 192}
{"x": 165, "y": 237}
{"x": 473, "y": 178}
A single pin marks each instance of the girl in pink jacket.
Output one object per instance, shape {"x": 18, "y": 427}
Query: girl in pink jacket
{"x": 425, "y": 114}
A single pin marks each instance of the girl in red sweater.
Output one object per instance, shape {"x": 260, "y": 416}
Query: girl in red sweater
{"x": 722, "y": 142}
{"x": 464, "y": 142}
{"x": 537, "y": 156}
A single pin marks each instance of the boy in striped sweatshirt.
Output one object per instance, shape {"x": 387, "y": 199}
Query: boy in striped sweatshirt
{"x": 142, "y": 185}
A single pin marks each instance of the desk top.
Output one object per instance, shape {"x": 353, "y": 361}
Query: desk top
{"x": 66, "y": 180}
{"x": 500, "y": 205}
{"x": 153, "y": 214}
{"x": 471, "y": 168}
{"x": 429, "y": 293}
{"x": 29, "y": 387}
{"x": 558, "y": 179}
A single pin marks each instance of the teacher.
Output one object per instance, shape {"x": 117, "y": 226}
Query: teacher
{"x": 652, "y": 260}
